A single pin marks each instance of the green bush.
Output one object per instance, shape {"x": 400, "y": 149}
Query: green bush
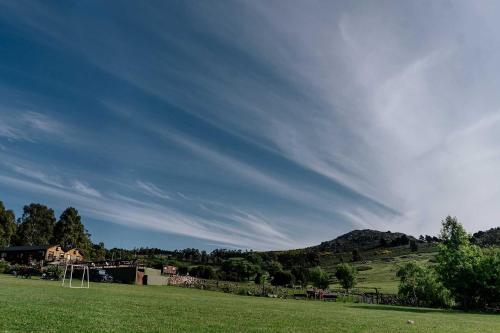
{"x": 55, "y": 271}
{"x": 420, "y": 286}
{"x": 242, "y": 291}
{"x": 4, "y": 266}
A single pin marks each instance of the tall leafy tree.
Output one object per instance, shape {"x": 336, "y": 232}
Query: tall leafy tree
{"x": 70, "y": 232}
{"x": 458, "y": 262}
{"x": 7, "y": 226}
{"x": 346, "y": 274}
{"x": 36, "y": 225}
{"x": 319, "y": 277}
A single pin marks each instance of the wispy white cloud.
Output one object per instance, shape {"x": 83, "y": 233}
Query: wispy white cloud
{"x": 30, "y": 126}
{"x": 397, "y": 103}
{"x": 152, "y": 189}
{"x": 249, "y": 232}
{"x": 52, "y": 180}
{"x": 85, "y": 189}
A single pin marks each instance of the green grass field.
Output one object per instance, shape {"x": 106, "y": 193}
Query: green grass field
{"x": 44, "y": 306}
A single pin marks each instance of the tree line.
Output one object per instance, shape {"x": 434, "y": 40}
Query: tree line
{"x": 38, "y": 226}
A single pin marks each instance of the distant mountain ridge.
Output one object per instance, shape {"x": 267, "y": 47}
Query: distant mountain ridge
{"x": 363, "y": 239}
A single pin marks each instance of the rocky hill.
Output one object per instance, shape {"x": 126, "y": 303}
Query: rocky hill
{"x": 487, "y": 238}
{"x": 364, "y": 239}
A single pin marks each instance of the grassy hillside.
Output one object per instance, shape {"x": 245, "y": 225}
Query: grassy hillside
{"x": 379, "y": 266}
{"x": 43, "y": 306}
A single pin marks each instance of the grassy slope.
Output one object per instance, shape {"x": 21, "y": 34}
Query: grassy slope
{"x": 43, "y": 306}
{"x": 384, "y": 264}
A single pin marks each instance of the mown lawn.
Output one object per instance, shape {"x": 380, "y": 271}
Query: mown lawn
{"x": 43, "y": 306}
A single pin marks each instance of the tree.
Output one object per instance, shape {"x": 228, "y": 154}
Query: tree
{"x": 182, "y": 269}
{"x": 458, "y": 262}
{"x": 272, "y": 267}
{"x": 238, "y": 269}
{"x": 487, "y": 238}
{"x": 488, "y": 277}
{"x": 453, "y": 234}
{"x": 7, "y": 226}
{"x": 383, "y": 242}
{"x": 281, "y": 278}
{"x": 254, "y": 258}
{"x": 204, "y": 257}
{"x": 413, "y": 245}
{"x": 319, "y": 278}
{"x": 259, "y": 278}
{"x": 98, "y": 252}
{"x": 346, "y": 274}
{"x": 70, "y": 232}
{"x": 420, "y": 286}
{"x": 356, "y": 255}
{"x": 36, "y": 225}
{"x": 204, "y": 272}
{"x": 469, "y": 272}
{"x": 401, "y": 240}
{"x": 301, "y": 275}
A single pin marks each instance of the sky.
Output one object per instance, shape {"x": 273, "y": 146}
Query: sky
{"x": 251, "y": 124}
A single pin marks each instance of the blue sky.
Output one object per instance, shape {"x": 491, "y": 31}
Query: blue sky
{"x": 251, "y": 124}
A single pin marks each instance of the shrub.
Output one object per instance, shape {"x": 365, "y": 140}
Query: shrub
{"x": 4, "y": 266}
{"x": 242, "y": 291}
{"x": 420, "y": 286}
{"x": 14, "y": 269}
{"x": 55, "y": 272}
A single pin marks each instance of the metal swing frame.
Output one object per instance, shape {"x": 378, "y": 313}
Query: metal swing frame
{"x": 82, "y": 285}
